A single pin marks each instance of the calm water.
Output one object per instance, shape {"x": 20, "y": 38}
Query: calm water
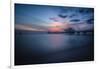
{"x": 52, "y": 48}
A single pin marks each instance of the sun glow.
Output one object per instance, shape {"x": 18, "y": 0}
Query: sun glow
{"x": 56, "y": 27}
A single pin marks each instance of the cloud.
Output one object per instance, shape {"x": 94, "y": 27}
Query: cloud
{"x": 90, "y": 21}
{"x": 86, "y": 11}
{"x": 72, "y": 15}
{"x": 27, "y": 27}
{"x": 82, "y": 27}
{"x": 75, "y": 20}
{"x": 62, "y": 15}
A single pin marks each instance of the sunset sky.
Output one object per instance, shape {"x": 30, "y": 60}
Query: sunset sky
{"x": 52, "y": 18}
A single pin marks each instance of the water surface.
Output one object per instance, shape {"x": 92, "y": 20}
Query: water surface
{"x": 52, "y": 48}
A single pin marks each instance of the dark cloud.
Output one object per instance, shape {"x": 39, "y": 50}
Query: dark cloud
{"x": 90, "y": 21}
{"x": 75, "y": 20}
{"x": 85, "y": 11}
{"x": 62, "y": 16}
{"x": 73, "y": 15}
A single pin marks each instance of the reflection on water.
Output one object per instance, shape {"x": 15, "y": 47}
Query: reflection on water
{"x": 51, "y": 48}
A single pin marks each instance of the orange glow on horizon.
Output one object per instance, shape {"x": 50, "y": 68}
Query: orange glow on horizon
{"x": 56, "y": 27}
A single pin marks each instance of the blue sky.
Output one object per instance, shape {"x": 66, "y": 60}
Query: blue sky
{"x": 41, "y": 15}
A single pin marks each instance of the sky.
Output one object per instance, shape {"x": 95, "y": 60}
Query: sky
{"x": 42, "y": 17}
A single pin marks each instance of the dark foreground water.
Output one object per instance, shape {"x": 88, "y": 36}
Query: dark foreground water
{"x": 52, "y": 48}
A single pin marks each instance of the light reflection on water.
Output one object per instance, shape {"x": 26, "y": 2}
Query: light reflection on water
{"x": 45, "y": 48}
{"x": 52, "y": 42}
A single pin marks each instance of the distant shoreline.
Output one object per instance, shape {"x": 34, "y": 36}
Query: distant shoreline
{"x": 42, "y": 32}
